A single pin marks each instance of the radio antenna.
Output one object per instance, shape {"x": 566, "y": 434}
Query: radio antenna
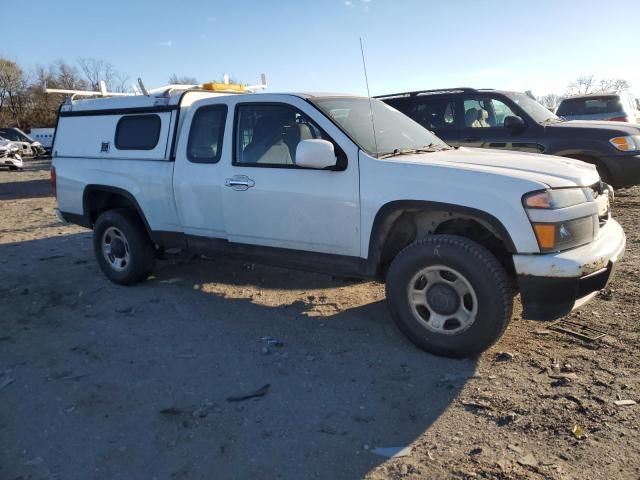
{"x": 366, "y": 80}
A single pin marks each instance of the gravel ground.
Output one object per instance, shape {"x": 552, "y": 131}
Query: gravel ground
{"x": 99, "y": 381}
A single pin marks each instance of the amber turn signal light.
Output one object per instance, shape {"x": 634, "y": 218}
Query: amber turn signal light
{"x": 546, "y": 235}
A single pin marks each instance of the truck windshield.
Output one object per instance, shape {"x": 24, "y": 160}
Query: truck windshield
{"x": 394, "y": 131}
{"x": 538, "y": 112}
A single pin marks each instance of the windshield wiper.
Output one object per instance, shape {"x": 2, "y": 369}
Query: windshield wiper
{"x": 431, "y": 148}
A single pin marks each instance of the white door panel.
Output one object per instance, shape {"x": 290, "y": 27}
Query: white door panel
{"x": 198, "y": 181}
{"x": 294, "y": 208}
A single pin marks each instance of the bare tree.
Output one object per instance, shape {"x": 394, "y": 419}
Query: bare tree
{"x": 68, "y": 76}
{"x": 583, "y": 85}
{"x": 120, "y": 82}
{"x": 13, "y": 92}
{"x": 95, "y": 70}
{"x": 550, "y": 100}
{"x": 182, "y": 80}
{"x": 587, "y": 84}
{"x": 10, "y": 79}
{"x": 613, "y": 85}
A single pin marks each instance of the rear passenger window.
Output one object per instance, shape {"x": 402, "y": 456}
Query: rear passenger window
{"x": 433, "y": 113}
{"x": 205, "y": 137}
{"x": 138, "y": 132}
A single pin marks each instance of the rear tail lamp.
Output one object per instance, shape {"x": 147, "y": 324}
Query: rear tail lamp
{"x": 619, "y": 119}
{"x": 54, "y": 181}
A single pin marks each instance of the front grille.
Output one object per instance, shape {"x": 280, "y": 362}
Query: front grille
{"x": 600, "y": 188}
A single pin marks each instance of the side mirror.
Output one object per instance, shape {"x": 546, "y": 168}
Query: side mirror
{"x": 315, "y": 153}
{"x": 513, "y": 123}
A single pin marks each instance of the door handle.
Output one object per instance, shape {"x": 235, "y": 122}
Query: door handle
{"x": 239, "y": 182}
{"x": 472, "y": 139}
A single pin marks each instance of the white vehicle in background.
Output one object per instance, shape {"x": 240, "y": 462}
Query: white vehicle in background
{"x": 10, "y": 155}
{"x": 29, "y": 147}
{"x": 44, "y": 136}
{"x": 303, "y": 180}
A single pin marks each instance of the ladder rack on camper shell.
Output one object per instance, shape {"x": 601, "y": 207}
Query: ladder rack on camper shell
{"x": 217, "y": 87}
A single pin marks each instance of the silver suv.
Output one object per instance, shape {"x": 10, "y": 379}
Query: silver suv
{"x": 620, "y": 107}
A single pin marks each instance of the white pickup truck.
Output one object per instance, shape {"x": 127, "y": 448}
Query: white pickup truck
{"x": 301, "y": 180}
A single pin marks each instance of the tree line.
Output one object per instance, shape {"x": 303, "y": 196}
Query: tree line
{"x": 583, "y": 85}
{"x": 24, "y": 103}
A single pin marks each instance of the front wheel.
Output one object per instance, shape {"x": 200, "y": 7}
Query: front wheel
{"x": 122, "y": 247}
{"x": 449, "y": 295}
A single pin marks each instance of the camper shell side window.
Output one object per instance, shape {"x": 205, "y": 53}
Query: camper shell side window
{"x": 138, "y": 132}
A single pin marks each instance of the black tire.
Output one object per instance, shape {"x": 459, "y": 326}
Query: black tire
{"x": 489, "y": 283}
{"x": 139, "y": 249}
{"x": 603, "y": 171}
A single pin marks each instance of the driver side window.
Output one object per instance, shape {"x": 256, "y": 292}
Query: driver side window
{"x": 485, "y": 113}
{"x": 268, "y": 135}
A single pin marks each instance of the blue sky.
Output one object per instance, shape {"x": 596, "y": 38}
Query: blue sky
{"x": 540, "y": 45}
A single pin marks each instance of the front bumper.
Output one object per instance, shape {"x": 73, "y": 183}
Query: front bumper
{"x": 11, "y": 162}
{"x": 552, "y": 285}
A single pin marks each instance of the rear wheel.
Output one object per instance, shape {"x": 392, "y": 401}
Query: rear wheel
{"x": 122, "y": 247}
{"x": 449, "y": 295}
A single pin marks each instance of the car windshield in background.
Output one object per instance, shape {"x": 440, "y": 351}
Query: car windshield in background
{"x": 590, "y": 105}
{"x": 15, "y": 135}
{"x": 535, "y": 110}
{"x": 395, "y": 132}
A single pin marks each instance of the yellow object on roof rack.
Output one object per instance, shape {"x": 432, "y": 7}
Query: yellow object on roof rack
{"x": 223, "y": 87}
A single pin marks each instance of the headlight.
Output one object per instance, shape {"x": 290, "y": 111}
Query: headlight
{"x": 626, "y": 144}
{"x": 565, "y": 234}
{"x": 554, "y": 199}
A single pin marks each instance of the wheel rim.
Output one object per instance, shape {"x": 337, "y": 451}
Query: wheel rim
{"x": 442, "y": 300}
{"x": 115, "y": 248}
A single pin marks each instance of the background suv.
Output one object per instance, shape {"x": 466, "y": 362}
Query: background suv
{"x": 619, "y": 107}
{"x": 514, "y": 121}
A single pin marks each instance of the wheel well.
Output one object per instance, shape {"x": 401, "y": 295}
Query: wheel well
{"x": 410, "y": 226}
{"x": 97, "y": 201}
{"x": 603, "y": 170}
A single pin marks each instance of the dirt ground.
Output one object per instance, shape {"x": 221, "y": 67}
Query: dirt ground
{"x": 99, "y": 381}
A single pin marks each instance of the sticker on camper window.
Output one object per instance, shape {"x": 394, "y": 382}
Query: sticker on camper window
{"x": 105, "y": 147}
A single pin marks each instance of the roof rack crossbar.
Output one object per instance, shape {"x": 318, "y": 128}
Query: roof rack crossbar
{"x": 436, "y": 90}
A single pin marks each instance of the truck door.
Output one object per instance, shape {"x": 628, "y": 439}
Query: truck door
{"x": 484, "y": 126}
{"x": 198, "y": 176}
{"x": 269, "y": 200}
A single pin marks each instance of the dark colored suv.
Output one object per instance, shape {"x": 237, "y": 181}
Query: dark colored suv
{"x": 618, "y": 107}
{"x": 514, "y": 121}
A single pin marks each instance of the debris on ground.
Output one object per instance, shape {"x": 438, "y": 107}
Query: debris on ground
{"x": 578, "y": 432}
{"x": 624, "y": 403}
{"x": 528, "y": 460}
{"x": 392, "y": 452}
{"x": 504, "y": 356}
{"x": 476, "y": 404}
{"x": 515, "y": 448}
{"x": 563, "y": 376}
{"x": 261, "y": 392}
{"x": 577, "y": 329}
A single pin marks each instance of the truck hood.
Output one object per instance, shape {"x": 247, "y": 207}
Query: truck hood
{"x": 546, "y": 169}
{"x": 615, "y": 128}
